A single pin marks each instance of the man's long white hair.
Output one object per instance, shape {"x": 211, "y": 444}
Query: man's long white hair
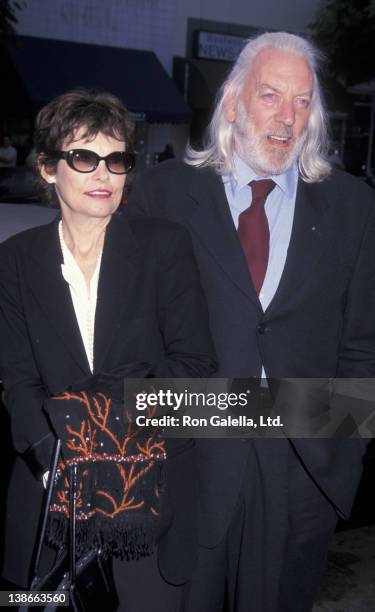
{"x": 220, "y": 140}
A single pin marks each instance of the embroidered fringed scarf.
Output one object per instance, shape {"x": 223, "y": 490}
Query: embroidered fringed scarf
{"x": 119, "y": 476}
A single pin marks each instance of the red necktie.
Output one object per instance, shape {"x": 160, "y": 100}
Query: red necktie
{"x": 254, "y": 233}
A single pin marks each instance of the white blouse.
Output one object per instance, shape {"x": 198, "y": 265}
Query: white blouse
{"x": 84, "y": 299}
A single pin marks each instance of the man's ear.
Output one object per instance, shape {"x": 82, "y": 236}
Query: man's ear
{"x": 45, "y": 171}
{"x": 230, "y": 104}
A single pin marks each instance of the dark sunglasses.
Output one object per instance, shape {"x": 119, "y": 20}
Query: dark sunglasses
{"x": 83, "y": 160}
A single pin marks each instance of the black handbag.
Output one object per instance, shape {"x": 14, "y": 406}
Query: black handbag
{"x": 88, "y": 580}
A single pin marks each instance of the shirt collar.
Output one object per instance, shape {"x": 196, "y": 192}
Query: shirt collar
{"x": 243, "y": 174}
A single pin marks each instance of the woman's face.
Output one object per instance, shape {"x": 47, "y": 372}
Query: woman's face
{"x": 95, "y": 194}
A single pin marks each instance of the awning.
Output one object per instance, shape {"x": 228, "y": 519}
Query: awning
{"x": 47, "y": 67}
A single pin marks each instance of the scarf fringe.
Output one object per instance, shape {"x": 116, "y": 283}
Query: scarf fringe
{"x": 122, "y": 540}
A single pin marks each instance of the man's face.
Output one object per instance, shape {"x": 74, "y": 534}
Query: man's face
{"x": 271, "y": 115}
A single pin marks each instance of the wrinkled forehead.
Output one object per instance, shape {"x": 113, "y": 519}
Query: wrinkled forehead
{"x": 280, "y": 69}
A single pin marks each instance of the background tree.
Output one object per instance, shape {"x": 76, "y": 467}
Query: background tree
{"x": 345, "y": 31}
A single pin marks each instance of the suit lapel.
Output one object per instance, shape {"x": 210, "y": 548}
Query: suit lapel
{"x": 213, "y": 225}
{"x": 306, "y": 244}
{"x": 52, "y": 292}
{"x": 119, "y": 264}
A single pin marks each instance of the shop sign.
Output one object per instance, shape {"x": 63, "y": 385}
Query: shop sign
{"x": 224, "y": 47}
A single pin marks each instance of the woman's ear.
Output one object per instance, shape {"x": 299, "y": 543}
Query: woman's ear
{"x": 47, "y": 172}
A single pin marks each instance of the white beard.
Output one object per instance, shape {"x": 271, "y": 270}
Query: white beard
{"x": 250, "y": 145}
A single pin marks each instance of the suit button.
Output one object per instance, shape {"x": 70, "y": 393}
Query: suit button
{"x": 262, "y": 328}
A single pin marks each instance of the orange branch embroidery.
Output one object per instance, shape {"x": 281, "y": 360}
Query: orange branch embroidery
{"x": 83, "y": 442}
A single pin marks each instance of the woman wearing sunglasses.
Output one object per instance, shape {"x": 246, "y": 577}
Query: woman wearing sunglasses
{"x": 89, "y": 298}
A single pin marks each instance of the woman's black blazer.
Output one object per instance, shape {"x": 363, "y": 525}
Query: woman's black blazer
{"x": 150, "y": 311}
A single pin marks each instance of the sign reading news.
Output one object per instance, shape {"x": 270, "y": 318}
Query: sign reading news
{"x": 218, "y": 407}
{"x": 222, "y": 47}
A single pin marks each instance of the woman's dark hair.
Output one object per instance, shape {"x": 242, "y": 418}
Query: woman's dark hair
{"x": 58, "y": 122}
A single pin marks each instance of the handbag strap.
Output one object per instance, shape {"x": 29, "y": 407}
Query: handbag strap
{"x": 72, "y": 515}
{"x": 48, "y": 497}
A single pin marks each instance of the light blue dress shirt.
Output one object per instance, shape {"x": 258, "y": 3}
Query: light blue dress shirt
{"x": 279, "y": 207}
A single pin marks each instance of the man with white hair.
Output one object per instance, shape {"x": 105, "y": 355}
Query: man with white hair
{"x": 286, "y": 251}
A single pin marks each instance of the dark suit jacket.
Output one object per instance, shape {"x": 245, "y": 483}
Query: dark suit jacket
{"x": 151, "y": 317}
{"x": 320, "y": 323}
